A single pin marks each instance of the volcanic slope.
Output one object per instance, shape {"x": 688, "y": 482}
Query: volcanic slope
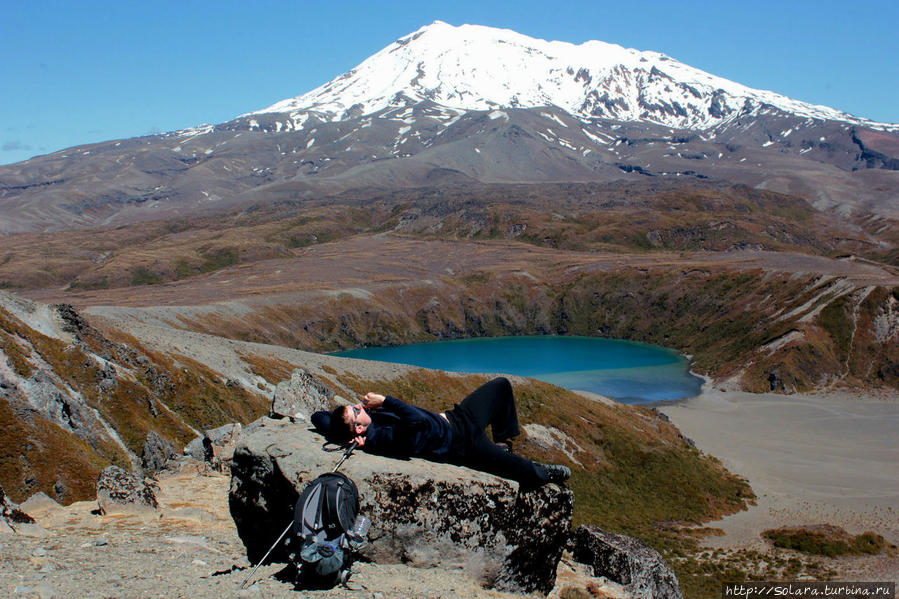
{"x": 428, "y": 110}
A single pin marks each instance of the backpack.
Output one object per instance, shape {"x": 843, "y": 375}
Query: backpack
{"x": 328, "y": 529}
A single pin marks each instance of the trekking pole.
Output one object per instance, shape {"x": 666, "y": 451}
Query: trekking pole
{"x": 264, "y": 557}
{"x": 346, "y": 454}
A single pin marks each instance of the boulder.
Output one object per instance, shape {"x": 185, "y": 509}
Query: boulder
{"x": 118, "y": 488}
{"x": 40, "y": 502}
{"x": 108, "y": 377}
{"x": 216, "y": 446}
{"x": 219, "y": 444}
{"x": 195, "y": 449}
{"x": 626, "y": 561}
{"x": 299, "y": 397}
{"x": 423, "y": 513}
{"x": 157, "y": 451}
{"x": 10, "y": 514}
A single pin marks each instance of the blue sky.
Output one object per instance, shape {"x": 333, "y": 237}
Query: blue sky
{"x": 87, "y": 71}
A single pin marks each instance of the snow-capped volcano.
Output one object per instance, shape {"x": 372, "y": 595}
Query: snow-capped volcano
{"x": 461, "y": 106}
{"x": 473, "y": 67}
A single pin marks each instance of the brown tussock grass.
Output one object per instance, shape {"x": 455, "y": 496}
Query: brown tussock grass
{"x": 272, "y": 369}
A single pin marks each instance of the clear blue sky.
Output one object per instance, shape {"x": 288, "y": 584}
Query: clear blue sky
{"x": 74, "y": 72}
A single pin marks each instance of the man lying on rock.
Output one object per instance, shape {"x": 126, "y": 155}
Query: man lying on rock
{"x": 390, "y": 427}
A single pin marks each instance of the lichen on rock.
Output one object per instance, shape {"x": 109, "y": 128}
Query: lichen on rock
{"x": 626, "y": 561}
{"x": 117, "y": 488}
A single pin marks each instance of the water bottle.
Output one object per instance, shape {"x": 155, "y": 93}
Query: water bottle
{"x": 360, "y": 528}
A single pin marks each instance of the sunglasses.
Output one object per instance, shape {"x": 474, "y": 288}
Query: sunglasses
{"x": 356, "y": 412}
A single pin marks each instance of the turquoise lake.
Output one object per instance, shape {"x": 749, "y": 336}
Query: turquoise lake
{"x": 624, "y": 370}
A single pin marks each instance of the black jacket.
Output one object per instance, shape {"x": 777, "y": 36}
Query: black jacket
{"x": 398, "y": 429}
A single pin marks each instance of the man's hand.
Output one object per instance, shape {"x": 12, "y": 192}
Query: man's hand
{"x": 360, "y": 441}
{"x": 373, "y": 401}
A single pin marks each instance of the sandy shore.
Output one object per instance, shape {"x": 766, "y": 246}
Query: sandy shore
{"x": 809, "y": 458}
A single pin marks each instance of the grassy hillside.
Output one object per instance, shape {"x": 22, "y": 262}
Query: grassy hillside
{"x": 634, "y": 468}
{"x": 53, "y": 387}
{"x": 634, "y": 473}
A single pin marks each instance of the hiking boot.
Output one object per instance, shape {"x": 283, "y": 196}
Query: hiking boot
{"x": 556, "y": 473}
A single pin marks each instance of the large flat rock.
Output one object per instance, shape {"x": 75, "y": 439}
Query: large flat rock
{"x": 423, "y": 513}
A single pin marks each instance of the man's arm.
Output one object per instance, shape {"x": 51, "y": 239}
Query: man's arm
{"x": 412, "y": 415}
{"x": 373, "y": 401}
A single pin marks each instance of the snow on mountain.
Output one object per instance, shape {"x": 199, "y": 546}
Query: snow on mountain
{"x": 472, "y": 67}
{"x": 459, "y": 105}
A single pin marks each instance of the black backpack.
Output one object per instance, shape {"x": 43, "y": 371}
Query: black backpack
{"x": 327, "y": 530}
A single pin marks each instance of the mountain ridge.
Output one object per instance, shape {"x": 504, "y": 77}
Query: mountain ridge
{"x": 572, "y": 123}
{"x": 443, "y": 63}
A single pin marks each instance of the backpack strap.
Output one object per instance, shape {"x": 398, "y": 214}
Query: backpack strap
{"x": 331, "y": 505}
{"x": 346, "y": 583}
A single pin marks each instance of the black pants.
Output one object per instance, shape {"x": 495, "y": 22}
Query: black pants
{"x": 493, "y": 404}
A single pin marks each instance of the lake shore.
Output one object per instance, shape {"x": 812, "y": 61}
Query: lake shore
{"x": 823, "y": 458}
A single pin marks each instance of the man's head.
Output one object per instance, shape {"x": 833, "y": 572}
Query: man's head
{"x": 348, "y": 422}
